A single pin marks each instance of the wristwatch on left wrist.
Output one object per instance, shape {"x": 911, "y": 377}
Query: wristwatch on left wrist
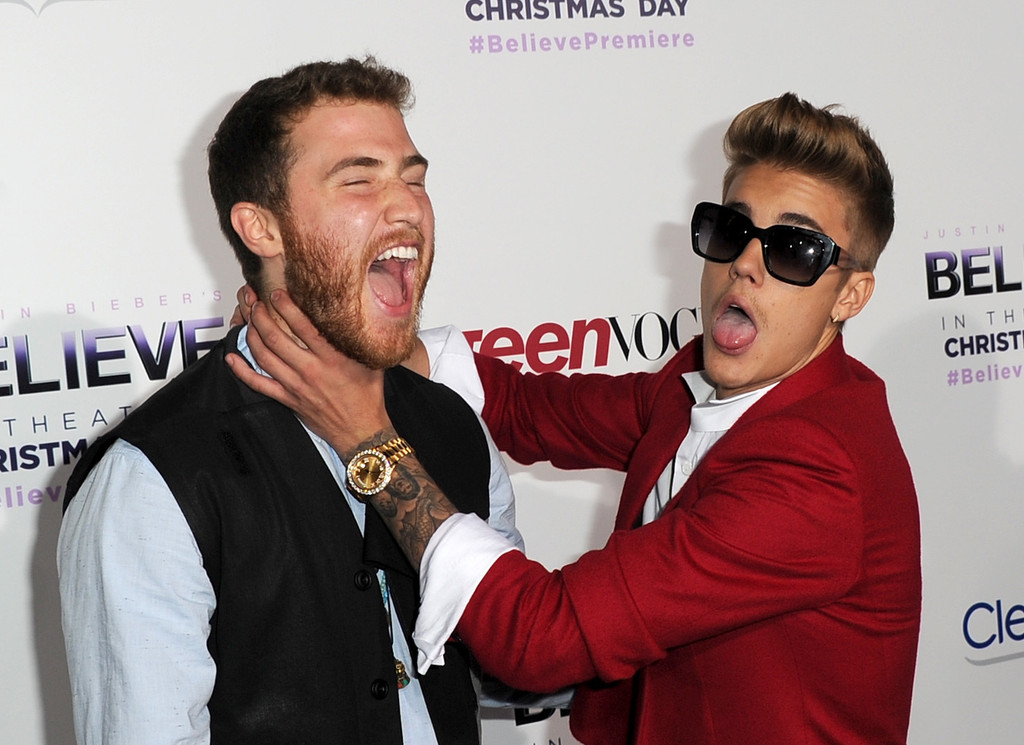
{"x": 369, "y": 471}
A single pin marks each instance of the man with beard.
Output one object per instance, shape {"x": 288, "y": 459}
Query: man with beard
{"x": 220, "y": 581}
{"x": 763, "y": 583}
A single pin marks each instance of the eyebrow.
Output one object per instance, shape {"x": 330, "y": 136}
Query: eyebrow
{"x": 412, "y": 161}
{"x": 797, "y": 219}
{"x": 365, "y": 161}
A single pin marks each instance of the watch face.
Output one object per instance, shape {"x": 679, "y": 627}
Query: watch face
{"x": 368, "y": 472}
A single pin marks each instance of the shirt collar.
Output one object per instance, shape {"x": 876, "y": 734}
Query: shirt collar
{"x": 710, "y": 414}
{"x": 242, "y": 343}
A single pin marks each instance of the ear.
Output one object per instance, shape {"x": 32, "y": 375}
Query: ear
{"x": 258, "y": 229}
{"x": 854, "y": 296}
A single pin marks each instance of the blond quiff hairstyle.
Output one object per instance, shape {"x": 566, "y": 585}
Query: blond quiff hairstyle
{"x": 791, "y": 134}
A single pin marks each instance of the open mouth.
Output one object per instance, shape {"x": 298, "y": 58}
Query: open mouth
{"x": 733, "y": 328}
{"x": 391, "y": 275}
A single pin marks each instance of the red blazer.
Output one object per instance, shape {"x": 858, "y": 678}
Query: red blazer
{"x": 776, "y": 600}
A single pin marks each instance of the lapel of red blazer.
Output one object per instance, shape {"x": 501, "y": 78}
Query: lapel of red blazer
{"x": 670, "y": 420}
{"x": 668, "y": 407}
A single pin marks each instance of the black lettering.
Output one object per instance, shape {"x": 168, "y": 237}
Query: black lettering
{"x": 72, "y": 450}
{"x": 625, "y": 346}
{"x": 94, "y": 356}
{"x": 1001, "y": 284}
{"x": 638, "y": 336}
{"x": 23, "y": 364}
{"x": 971, "y": 271}
{"x": 524, "y": 716}
{"x": 673, "y": 327}
{"x": 941, "y": 266}
{"x": 156, "y": 364}
{"x": 29, "y": 458}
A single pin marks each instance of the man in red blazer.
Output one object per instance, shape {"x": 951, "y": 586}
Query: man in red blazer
{"x": 763, "y": 581}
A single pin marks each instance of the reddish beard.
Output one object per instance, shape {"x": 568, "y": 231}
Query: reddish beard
{"x": 326, "y": 281}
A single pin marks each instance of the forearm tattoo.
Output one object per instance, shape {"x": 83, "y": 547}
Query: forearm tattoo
{"x": 412, "y": 505}
{"x": 417, "y": 507}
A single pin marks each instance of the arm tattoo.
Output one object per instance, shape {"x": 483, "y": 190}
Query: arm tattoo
{"x": 412, "y": 505}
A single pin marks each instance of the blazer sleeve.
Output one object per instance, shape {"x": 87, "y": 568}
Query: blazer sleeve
{"x": 580, "y": 421}
{"x": 769, "y": 523}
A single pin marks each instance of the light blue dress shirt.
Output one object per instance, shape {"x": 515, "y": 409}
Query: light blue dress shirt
{"x": 136, "y": 603}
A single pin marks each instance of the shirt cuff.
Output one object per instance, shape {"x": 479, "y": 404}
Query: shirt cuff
{"x": 456, "y": 559}
{"x": 452, "y": 363}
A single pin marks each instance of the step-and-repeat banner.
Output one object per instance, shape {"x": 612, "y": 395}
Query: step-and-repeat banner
{"x": 568, "y": 141}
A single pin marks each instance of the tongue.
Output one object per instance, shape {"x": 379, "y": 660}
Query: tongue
{"x": 733, "y": 329}
{"x": 387, "y": 283}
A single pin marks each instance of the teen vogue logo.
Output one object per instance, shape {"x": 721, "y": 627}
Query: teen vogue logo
{"x": 555, "y": 347}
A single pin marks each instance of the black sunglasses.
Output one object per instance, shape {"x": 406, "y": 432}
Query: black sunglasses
{"x": 793, "y": 255}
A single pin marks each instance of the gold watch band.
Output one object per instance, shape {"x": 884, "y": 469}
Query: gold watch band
{"x": 396, "y": 449}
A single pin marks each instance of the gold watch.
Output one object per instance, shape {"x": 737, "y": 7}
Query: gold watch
{"x": 369, "y": 471}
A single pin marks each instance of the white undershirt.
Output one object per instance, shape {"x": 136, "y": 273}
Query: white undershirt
{"x": 710, "y": 418}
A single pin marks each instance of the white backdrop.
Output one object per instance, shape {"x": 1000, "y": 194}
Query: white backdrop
{"x": 567, "y": 148}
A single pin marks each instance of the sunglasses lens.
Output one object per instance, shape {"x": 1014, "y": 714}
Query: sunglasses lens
{"x": 795, "y": 255}
{"x": 719, "y": 234}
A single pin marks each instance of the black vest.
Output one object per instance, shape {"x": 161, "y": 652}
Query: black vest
{"x": 300, "y": 634}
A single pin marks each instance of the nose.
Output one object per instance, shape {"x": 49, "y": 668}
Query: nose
{"x": 750, "y": 262}
{"x": 406, "y": 203}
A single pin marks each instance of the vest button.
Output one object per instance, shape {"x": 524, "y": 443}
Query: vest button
{"x": 379, "y": 689}
{"x": 363, "y": 580}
